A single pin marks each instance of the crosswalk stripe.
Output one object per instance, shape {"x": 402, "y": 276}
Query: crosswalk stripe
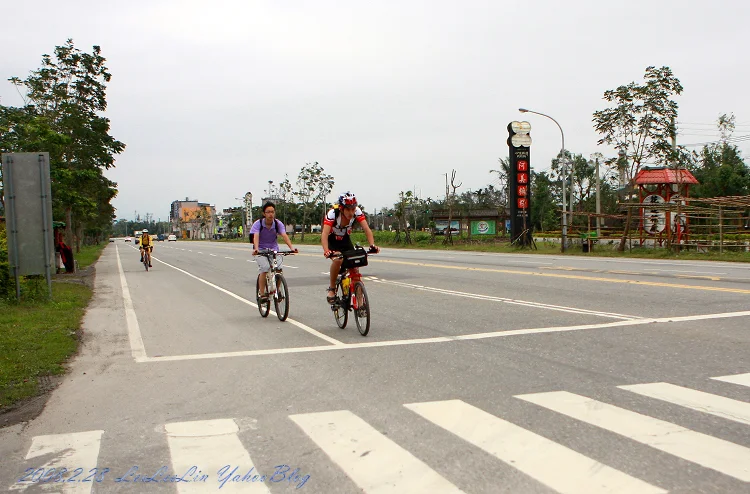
{"x": 717, "y": 454}
{"x": 554, "y": 465}
{"x": 727, "y": 408}
{"x": 70, "y": 451}
{"x": 210, "y": 445}
{"x": 373, "y": 462}
{"x": 741, "y": 379}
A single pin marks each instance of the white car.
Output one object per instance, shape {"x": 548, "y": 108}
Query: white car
{"x": 128, "y": 239}
{"x": 172, "y": 238}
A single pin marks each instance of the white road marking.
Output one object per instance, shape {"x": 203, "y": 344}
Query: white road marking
{"x": 447, "y": 339}
{"x": 537, "y": 305}
{"x": 227, "y": 257}
{"x": 727, "y": 408}
{"x": 137, "y": 349}
{"x": 310, "y": 330}
{"x": 250, "y": 260}
{"x": 717, "y": 454}
{"x": 371, "y": 460}
{"x": 206, "y": 447}
{"x": 559, "y": 468}
{"x": 71, "y": 451}
{"x": 741, "y": 379}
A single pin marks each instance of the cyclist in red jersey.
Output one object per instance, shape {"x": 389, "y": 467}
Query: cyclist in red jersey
{"x": 337, "y": 227}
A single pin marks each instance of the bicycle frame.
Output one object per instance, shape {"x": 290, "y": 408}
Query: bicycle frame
{"x": 146, "y": 257}
{"x": 346, "y": 274}
{"x": 273, "y": 261}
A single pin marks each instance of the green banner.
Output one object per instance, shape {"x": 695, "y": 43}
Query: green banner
{"x": 483, "y": 227}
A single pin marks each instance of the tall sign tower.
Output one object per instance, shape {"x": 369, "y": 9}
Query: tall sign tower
{"x": 519, "y": 143}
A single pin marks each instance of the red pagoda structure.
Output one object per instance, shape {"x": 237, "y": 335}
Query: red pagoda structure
{"x": 662, "y": 192}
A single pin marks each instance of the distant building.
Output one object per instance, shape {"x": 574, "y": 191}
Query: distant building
{"x": 192, "y": 219}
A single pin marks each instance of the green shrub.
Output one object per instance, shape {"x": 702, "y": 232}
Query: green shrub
{"x": 5, "y": 279}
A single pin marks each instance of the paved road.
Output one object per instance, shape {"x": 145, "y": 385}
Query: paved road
{"x": 482, "y": 373}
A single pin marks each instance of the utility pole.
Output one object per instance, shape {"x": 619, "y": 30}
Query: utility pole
{"x": 598, "y": 203}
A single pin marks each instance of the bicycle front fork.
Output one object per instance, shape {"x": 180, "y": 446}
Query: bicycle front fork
{"x": 270, "y": 283}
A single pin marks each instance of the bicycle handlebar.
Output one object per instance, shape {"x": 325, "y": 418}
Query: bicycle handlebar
{"x": 268, "y": 252}
{"x": 340, "y": 255}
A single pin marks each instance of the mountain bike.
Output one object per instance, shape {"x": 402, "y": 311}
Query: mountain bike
{"x": 350, "y": 290}
{"x": 276, "y": 287}
{"x": 147, "y": 257}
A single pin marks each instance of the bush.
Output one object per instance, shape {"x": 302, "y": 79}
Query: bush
{"x": 5, "y": 279}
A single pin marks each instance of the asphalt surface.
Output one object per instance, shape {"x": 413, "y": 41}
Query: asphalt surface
{"x": 482, "y": 373}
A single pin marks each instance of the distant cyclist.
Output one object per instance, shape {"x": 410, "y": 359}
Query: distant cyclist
{"x": 264, "y": 232}
{"x": 337, "y": 227}
{"x": 146, "y": 243}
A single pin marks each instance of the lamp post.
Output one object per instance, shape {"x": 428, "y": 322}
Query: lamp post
{"x": 564, "y": 160}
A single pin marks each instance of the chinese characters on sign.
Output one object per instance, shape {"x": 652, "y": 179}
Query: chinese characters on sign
{"x": 519, "y": 142}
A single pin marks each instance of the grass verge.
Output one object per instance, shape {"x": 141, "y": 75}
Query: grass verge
{"x": 89, "y": 254}
{"x": 37, "y": 338}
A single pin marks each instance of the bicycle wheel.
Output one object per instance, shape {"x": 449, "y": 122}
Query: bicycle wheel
{"x": 341, "y": 307}
{"x": 263, "y": 307}
{"x": 146, "y": 259}
{"x": 362, "y": 312}
{"x": 281, "y": 299}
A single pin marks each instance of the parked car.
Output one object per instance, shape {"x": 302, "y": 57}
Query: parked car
{"x": 172, "y": 238}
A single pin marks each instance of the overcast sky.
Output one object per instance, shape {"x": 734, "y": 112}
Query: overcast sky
{"x": 214, "y": 99}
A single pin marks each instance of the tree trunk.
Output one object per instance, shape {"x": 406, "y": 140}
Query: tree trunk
{"x": 626, "y": 232}
{"x": 69, "y": 226}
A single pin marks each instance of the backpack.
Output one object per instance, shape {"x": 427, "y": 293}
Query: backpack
{"x": 275, "y": 227}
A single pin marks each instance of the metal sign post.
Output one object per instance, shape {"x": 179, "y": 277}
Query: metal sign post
{"x": 26, "y": 177}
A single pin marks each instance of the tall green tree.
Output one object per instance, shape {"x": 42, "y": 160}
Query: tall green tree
{"x": 544, "y": 206}
{"x": 640, "y": 123}
{"x": 63, "y": 108}
{"x": 719, "y": 167}
{"x": 313, "y": 185}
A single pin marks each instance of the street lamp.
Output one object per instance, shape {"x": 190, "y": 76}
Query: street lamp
{"x": 562, "y": 152}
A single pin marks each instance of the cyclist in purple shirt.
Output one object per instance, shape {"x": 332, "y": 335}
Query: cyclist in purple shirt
{"x": 264, "y": 233}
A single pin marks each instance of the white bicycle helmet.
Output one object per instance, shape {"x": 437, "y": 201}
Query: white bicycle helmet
{"x": 347, "y": 199}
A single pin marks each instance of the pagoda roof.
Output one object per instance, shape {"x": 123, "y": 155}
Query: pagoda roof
{"x": 664, "y": 176}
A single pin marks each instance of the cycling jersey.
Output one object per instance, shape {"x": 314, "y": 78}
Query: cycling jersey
{"x": 145, "y": 240}
{"x": 335, "y": 221}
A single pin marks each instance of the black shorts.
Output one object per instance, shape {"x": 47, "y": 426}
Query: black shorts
{"x": 340, "y": 244}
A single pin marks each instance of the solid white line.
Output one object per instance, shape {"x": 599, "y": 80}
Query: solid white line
{"x": 741, "y": 379}
{"x": 559, "y": 468}
{"x": 71, "y": 451}
{"x": 537, "y": 305}
{"x": 727, "y": 408}
{"x": 720, "y": 455}
{"x": 205, "y": 447}
{"x": 243, "y": 300}
{"x": 444, "y": 339}
{"x": 137, "y": 349}
{"x": 371, "y": 460}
